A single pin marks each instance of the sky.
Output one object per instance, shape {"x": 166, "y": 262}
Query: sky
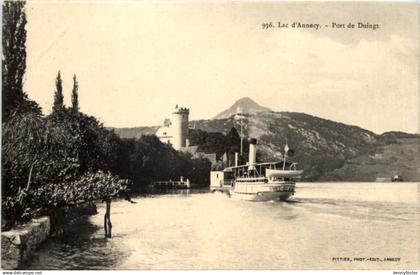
{"x": 135, "y": 60}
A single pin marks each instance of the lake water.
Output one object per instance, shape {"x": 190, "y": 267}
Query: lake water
{"x": 323, "y": 221}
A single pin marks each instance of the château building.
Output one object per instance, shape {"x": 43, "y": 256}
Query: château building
{"x": 175, "y": 130}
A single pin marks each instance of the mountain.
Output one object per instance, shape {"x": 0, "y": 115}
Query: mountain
{"x": 328, "y": 150}
{"x": 247, "y": 105}
{"x": 325, "y": 149}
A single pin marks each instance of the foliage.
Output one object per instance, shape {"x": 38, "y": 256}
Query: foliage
{"x": 135, "y": 132}
{"x": 49, "y": 150}
{"x": 34, "y": 152}
{"x": 198, "y": 170}
{"x": 321, "y": 164}
{"x": 147, "y": 159}
{"x": 93, "y": 146}
{"x": 14, "y": 99}
{"x": 89, "y": 187}
{"x": 233, "y": 141}
{"x": 58, "y": 105}
{"x": 209, "y": 142}
{"x": 75, "y": 96}
{"x": 399, "y": 158}
{"x": 14, "y": 52}
{"x": 393, "y": 137}
{"x": 54, "y": 149}
{"x": 50, "y": 154}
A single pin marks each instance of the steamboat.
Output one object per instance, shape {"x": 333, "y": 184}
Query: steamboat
{"x": 170, "y": 184}
{"x": 257, "y": 181}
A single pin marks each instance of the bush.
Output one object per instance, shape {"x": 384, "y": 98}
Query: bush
{"x": 147, "y": 159}
{"x": 89, "y": 187}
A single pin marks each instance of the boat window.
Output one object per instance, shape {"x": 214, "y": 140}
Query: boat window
{"x": 228, "y": 175}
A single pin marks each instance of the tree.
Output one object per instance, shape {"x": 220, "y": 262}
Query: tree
{"x": 75, "y": 96}
{"x": 33, "y": 153}
{"x": 42, "y": 152}
{"x": 58, "y": 105}
{"x": 233, "y": 141}
{"x": 37, "y": 151}
{"x": 14, "y": 99}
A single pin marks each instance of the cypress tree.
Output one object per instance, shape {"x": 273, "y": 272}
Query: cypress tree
{"x": 58, "y": 105}
{"x": 14, "y": 99}
{"x": 75, "y": 96}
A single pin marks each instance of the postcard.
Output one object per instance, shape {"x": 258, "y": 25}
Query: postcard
{"x": 210, "y": 135}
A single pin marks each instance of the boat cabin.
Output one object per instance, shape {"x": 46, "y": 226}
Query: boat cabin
{"x": 227, "y": 177}
{"x": 259, "y": 169}
{"x": 221, "y": 179}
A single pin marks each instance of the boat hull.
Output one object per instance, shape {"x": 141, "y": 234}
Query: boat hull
{"x": 260, "y": 191}
{"x": 262, "y": 196}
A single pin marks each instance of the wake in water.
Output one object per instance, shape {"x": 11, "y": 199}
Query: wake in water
{"x": 202, "y": 231}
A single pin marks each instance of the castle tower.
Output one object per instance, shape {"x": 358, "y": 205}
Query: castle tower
{"x": 180, "y": 127}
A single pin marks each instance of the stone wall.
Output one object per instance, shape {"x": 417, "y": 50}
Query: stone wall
{"x": 18, "y": 245}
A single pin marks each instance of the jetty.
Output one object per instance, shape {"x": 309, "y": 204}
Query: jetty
{"x": 170, "y": 184}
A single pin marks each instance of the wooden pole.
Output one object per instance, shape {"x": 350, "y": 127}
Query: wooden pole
{"x": 284, "y": 160}
{"x": 242, "y": 138}
{"x": 286, "y": 150}
{"x": 107, "y": 219}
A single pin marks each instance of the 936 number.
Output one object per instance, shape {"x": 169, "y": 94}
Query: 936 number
{"x": 267, "y": 25}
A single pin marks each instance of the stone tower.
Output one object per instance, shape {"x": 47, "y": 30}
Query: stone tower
{"x": 180, "y": 127}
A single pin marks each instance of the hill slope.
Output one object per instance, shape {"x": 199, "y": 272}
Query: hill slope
{"x": 320, "y": 145}
{"x": 135, "y": 132}
{"x": 399, "y": 158}
{"x": 325, "y": 149}
{"x": 247, "y": 105}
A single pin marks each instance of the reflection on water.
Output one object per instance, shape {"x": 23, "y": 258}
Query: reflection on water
{"x": 196, "y": 230}
{"x": 84, "y": 247}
